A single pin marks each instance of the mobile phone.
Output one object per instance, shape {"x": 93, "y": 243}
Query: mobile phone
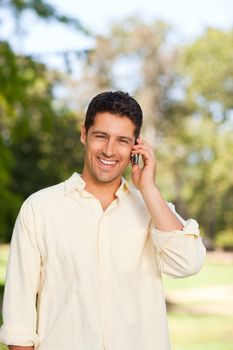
{"x": 135, "y": 157}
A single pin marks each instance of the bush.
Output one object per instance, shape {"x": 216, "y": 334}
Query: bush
{"x": 224, "y": 240}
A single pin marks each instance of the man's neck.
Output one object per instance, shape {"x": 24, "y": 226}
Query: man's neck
{"x": 104, "y": 191}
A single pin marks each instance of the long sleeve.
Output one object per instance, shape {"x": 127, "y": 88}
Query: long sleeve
{"x": 22, "y": 281}
{"x": 180, "y": 253}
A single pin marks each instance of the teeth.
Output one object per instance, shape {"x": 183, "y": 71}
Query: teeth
{"x": 107, "y": 162}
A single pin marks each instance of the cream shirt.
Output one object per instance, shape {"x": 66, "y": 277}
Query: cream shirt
{"x": 80, "y": 278}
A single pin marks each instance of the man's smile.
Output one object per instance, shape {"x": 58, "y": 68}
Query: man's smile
{"x": 107, "y": 162}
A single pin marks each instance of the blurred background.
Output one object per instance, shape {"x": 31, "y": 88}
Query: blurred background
{"x": 176, "y": 59}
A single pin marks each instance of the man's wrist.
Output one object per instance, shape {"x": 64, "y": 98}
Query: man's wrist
{"x": 148, "y": 188}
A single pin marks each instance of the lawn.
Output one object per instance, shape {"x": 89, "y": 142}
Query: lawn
{"x": 213, "y": 273}
{"x": 3, "y": 260}
{"x": 201, "y": 332}
{"x": 204, "y": 326}
{"x": 189, "y": 330}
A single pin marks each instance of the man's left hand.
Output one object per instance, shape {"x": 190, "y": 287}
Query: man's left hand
{"x": 145, "y": 176}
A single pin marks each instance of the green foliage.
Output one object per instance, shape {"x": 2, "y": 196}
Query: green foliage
{"x": 224, "y": 240}
{"x": 197, "y": 162}
{"x": 192, "y": 134}
{"x": 196, "y": 151}
{"x": 39, "y": 141}
{"x": 207, "y": 64}
{"x": 39, "y": 138}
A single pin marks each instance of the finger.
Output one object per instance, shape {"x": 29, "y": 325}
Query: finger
{"x": 142, "y": 141}
{"x": 146, "y": 156}
{"x": 138, "y": 148}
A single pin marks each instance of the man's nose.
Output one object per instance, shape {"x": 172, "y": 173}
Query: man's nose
{"x": 109, "y": 148}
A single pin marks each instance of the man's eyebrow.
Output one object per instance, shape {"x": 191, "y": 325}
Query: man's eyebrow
{"x": 99, "y": 132}
{"x": 106, "y": 134}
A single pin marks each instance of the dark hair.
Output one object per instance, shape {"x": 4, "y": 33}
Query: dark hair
{"x": 118, "y": 103}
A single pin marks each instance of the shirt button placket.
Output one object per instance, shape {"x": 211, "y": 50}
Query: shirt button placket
{"x": 103, "y": 283}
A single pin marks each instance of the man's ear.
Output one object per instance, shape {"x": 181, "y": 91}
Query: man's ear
{"x": 83, "y": 135}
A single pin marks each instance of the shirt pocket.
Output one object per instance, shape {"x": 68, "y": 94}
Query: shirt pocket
{"x": 132, "y": 244}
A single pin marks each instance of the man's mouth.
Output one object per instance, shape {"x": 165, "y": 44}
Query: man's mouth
{"x": 107, "y": 162}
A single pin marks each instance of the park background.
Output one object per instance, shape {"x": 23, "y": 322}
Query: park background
{"x": 176, "y": 58}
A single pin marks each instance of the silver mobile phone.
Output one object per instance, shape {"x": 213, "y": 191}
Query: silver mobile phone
{"x": 135, "y": 157}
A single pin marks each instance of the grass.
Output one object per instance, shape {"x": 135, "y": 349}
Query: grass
{"x": 4, "y": 249}
{"x": 212, "y": 274}
{"x": 3, "y": 347}
{"x": 187, "y": 331}
{"x": 202, "y": 332}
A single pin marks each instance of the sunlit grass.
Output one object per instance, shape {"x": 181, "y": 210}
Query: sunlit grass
{"x": 4, "y": 250}
{"x": 212, "y": 273}
{"x": 202, "y": 332}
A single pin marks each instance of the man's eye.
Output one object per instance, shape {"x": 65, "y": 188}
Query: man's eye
{"x": 100, "y": 136}
{"x": 124, "y": 141}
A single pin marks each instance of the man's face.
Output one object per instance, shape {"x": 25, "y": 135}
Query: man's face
{"x": 108, "y": 143}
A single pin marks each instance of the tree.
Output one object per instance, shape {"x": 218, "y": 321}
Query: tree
{"x": 207, "y": 66}
{"x": 200, "y": 135}
{"x": 186, "y": 98}
{"x": 133, "y": 56}
{"x": 36, "y": 132}
{"x": 42, "y": 10}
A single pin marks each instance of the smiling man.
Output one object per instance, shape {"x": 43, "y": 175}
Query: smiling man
{"x": 86, "y": 255}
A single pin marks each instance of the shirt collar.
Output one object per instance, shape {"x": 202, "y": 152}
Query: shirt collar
{"x": 123, "y": 189}
{"x": 75, "y": 182}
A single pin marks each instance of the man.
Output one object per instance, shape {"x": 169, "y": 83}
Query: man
{"x": 86, "y": 255}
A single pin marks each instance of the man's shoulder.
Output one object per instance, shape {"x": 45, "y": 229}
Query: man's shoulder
{"x": 47, "y": 194}
{"x": 56, "y": 193}
{"x": 42, "y": 201}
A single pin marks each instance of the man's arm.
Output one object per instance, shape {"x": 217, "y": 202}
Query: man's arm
{"x": 22, "y": 282}
{"x": 144, "y": 179}
{"x": 162, "y": 216}
{"x": 180, "y": 250}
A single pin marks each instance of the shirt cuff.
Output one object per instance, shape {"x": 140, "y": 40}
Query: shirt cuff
{"x": 190, "y": 228}
{"x": 21, "y": 337}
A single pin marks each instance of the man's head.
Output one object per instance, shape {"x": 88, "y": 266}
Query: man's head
{"x": 117, "y": 103}
{"x": 112, "y": 125}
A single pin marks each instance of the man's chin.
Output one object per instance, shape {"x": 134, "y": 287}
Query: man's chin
{"x": 107, "y": 179}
